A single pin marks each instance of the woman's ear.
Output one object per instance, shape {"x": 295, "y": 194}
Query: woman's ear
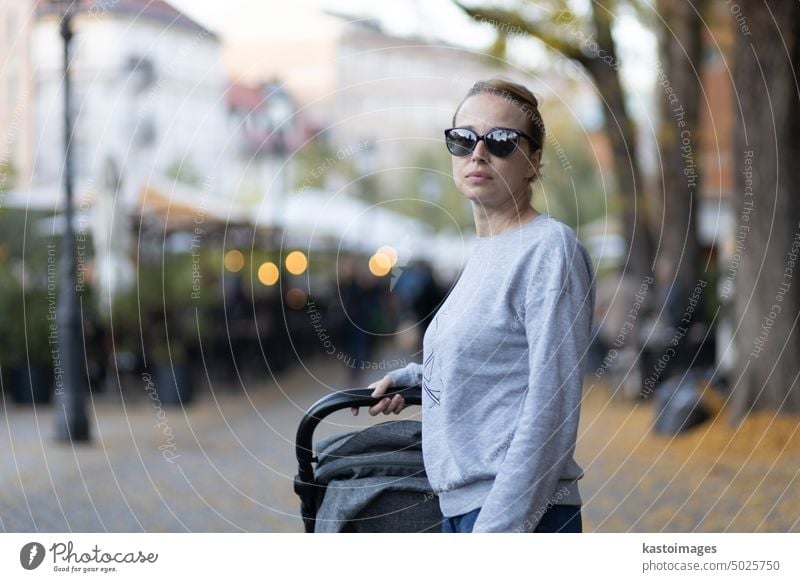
{"x": 533, "y": 168}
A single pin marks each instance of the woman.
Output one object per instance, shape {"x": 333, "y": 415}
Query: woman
{"x": 502, "y": 359}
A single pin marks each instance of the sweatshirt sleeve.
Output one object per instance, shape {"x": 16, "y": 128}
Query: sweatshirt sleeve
{"x": 558, "y": 324}
{"x": 410, "y": 375}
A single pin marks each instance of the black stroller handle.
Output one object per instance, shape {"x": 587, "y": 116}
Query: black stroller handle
{"x": 336, "y": 401}
{"x": 304, "y": 484}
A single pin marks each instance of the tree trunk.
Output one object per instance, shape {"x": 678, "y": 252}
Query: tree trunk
{"x": 767, "y": 140}
{"x": 622, "y": 136}
{"x": 678, "y": 93}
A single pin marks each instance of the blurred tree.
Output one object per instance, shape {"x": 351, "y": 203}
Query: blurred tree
{"x": 183, "y": 171}
{"x": 8, "y": 174}
{"x": 312, "y": 162}
{"x": 767, "y": 133}
{"x": 425, "y": 190}
{"x": 678, "y": 86}
{"x": 589, "y": 42}
{"x": 572, "y": 191}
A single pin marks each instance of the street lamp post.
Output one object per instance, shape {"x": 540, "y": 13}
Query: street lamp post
{"x": 72, "y": 423}
{"x": 280, "y": 111}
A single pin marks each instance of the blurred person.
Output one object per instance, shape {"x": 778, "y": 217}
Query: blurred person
{"x": 502, "y": 358}
{"x": 420, "y": 297}
{"x": 359, "y": 295}
{"x": 429, "y": 297}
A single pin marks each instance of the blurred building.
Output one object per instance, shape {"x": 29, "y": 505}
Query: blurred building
{"x": 147, "y": 82}
{"x": 264, "y": 132}
{"x": 149, "y": 120}
{"x": 171, "y": 124}
{"x": 16, "y": 153}
{"x": 715, "y": 218}
{"x": 381, "y": 101}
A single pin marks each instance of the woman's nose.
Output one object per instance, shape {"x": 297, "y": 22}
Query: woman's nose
{"x": 480, "y": 151}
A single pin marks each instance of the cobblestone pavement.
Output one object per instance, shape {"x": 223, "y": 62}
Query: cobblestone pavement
{"x": 718, "y": 477}
{"x": 233, "y": 463}
{"x": 223, "y": 464}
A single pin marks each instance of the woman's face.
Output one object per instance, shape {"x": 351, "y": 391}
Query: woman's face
{"x": 485, "y": 178}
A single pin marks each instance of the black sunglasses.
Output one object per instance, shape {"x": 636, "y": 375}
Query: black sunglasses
{"x": 500, "y": 141}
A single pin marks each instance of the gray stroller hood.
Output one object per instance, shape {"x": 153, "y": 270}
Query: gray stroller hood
{"x": 370, "y": 480}
{"x": 375, "y": 481}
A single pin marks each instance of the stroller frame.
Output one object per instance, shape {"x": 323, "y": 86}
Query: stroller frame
{"x": 305, "y": 484}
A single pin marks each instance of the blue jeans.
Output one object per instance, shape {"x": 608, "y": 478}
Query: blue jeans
{"x": 557, "y": 519}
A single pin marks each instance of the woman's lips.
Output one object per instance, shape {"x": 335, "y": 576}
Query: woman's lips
{"x": 478, "y": 177}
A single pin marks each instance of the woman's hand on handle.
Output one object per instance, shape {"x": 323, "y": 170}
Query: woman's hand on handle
{"x": 386, "y": 405}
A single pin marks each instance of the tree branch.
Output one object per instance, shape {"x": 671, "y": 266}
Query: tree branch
{"x": 510, "y": 23}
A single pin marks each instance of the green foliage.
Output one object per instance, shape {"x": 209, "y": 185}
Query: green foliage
{"x": 28, "y": 290}
{"x": 573, "y": 188}
{"x": 311, "y": 164}
{"x": 425, "y": 191}
{"x": 184, "y": 171}
{"x": 8, "y": 175}
{"x": 12, "y": 349}
{"x": 166, "y": 306}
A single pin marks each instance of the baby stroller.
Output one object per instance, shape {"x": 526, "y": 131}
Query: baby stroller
{"x": 370, "y": 480}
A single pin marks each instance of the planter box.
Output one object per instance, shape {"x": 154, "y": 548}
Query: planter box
{"x": 174, "y": 383}
{"x": 31, "y": 386}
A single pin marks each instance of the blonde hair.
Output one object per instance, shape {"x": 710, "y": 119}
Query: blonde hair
{"x": 519, "y": 96}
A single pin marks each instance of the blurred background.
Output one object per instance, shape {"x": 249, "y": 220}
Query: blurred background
{"x": 213, "y": 214}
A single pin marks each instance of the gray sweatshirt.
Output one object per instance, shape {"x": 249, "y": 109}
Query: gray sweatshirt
{"x": 502, "y": 377}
